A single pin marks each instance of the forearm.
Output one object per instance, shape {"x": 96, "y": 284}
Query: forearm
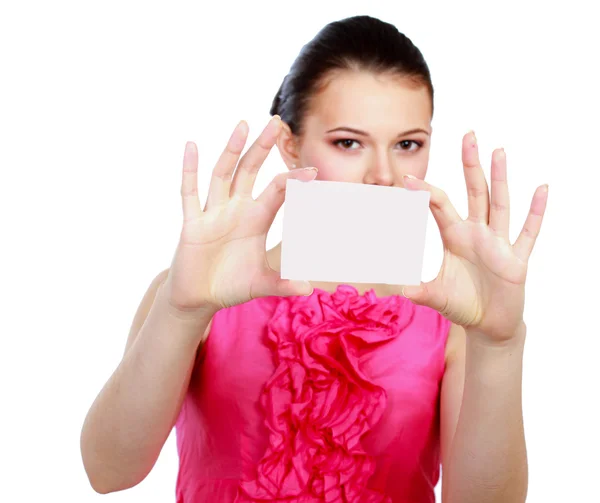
{"x": 488, "y": 459}
{"x": 134, "y": 413}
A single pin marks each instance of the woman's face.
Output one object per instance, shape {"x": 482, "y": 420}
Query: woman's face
{"x": 365, "y": 128}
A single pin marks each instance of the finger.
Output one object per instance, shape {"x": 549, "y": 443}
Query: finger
{"x": 274, "y": 194}
{"x": 477, "y": 188}
{"x": 500, "y": 203}
{"x": 442, "y": 209}
{"x": 428, "y": 294}
{"x": 243, "y": 180}
{"x": 220, "y": 182}
{"x": 272, "y": 284}
{"x": 524, "y": 244}
{"x": 189, "y": 183}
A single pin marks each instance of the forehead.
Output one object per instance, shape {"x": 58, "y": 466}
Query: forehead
{"x": 370, "y": 101}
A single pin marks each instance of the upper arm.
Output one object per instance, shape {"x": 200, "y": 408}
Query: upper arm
{"x": 144, "y": 307}
{"x": 452, "y": 388}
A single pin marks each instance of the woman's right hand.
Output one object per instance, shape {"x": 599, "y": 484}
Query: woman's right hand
{"x": 221, "y": 259}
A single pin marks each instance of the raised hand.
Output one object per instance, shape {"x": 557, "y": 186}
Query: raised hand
{"x": 220, "y": 260}
{"x": 481, "y": 283}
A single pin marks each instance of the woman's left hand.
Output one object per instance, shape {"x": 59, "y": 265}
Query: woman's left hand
{"x": 481, "y": 283}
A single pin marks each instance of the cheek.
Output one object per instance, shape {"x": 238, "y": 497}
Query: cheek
{"x": 415, "y": 166}
{"x": 418, "y": 169}
{"x": 332, "y": 166}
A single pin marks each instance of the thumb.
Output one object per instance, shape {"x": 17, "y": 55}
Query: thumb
{"x": 272, "y": 284}
{"x": 287, "y": 287}
{"x": 426, "y": 294}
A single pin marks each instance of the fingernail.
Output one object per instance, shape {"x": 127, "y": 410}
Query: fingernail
{"x": 310, "y": 170}
{"x": 474, "y": 140}
{"x": 405, "y": 178}
{"x": 274, "y": 124}
{"x": 241, "y": 126}
{"x": 303, "y": 287}
{"x": 238, "y": 137}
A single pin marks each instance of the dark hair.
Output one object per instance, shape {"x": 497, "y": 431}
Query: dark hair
{"x": 355, "y": 43}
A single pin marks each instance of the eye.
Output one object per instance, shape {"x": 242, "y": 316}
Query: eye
{"x": 405, "y": 145}
{"x": 346, "y": 144}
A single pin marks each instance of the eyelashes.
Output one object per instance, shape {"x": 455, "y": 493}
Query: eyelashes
{"x": 419, "y": 144}
{"x": 346, "y": 144}
{"x": 343, "y": 143}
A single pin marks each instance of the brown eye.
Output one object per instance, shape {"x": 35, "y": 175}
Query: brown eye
{"x": 405, "y": 144}
{"x": 346, "y": 144}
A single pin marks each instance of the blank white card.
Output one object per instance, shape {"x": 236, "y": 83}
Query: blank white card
{"x": 353, "y": 233}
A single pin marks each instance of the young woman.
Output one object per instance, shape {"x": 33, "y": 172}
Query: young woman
{"x": 305, "y": 392}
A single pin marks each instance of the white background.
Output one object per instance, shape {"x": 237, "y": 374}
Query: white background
{"x": 97, "y": 101}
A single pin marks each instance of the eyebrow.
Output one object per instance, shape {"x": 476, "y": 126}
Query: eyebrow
{"x": 363, "y": 133}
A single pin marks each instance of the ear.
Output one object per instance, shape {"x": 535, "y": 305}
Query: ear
{"x": 288, "y": 147}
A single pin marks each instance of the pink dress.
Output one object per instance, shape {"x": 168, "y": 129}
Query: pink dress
{"x": 325, "y": 398}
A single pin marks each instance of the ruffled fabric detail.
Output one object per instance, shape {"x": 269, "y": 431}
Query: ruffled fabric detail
{"x": 318, "y": 403}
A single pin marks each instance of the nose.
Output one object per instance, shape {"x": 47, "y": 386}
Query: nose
{"x": 380, "y": 170}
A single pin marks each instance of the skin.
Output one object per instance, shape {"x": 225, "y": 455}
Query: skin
{"x": 382, "y": 109}
{"x": 221, "y": 261}
{"x": 480, "y": 286}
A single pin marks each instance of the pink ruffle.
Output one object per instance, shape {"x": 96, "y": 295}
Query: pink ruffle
{"x": 318, "y": 403}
